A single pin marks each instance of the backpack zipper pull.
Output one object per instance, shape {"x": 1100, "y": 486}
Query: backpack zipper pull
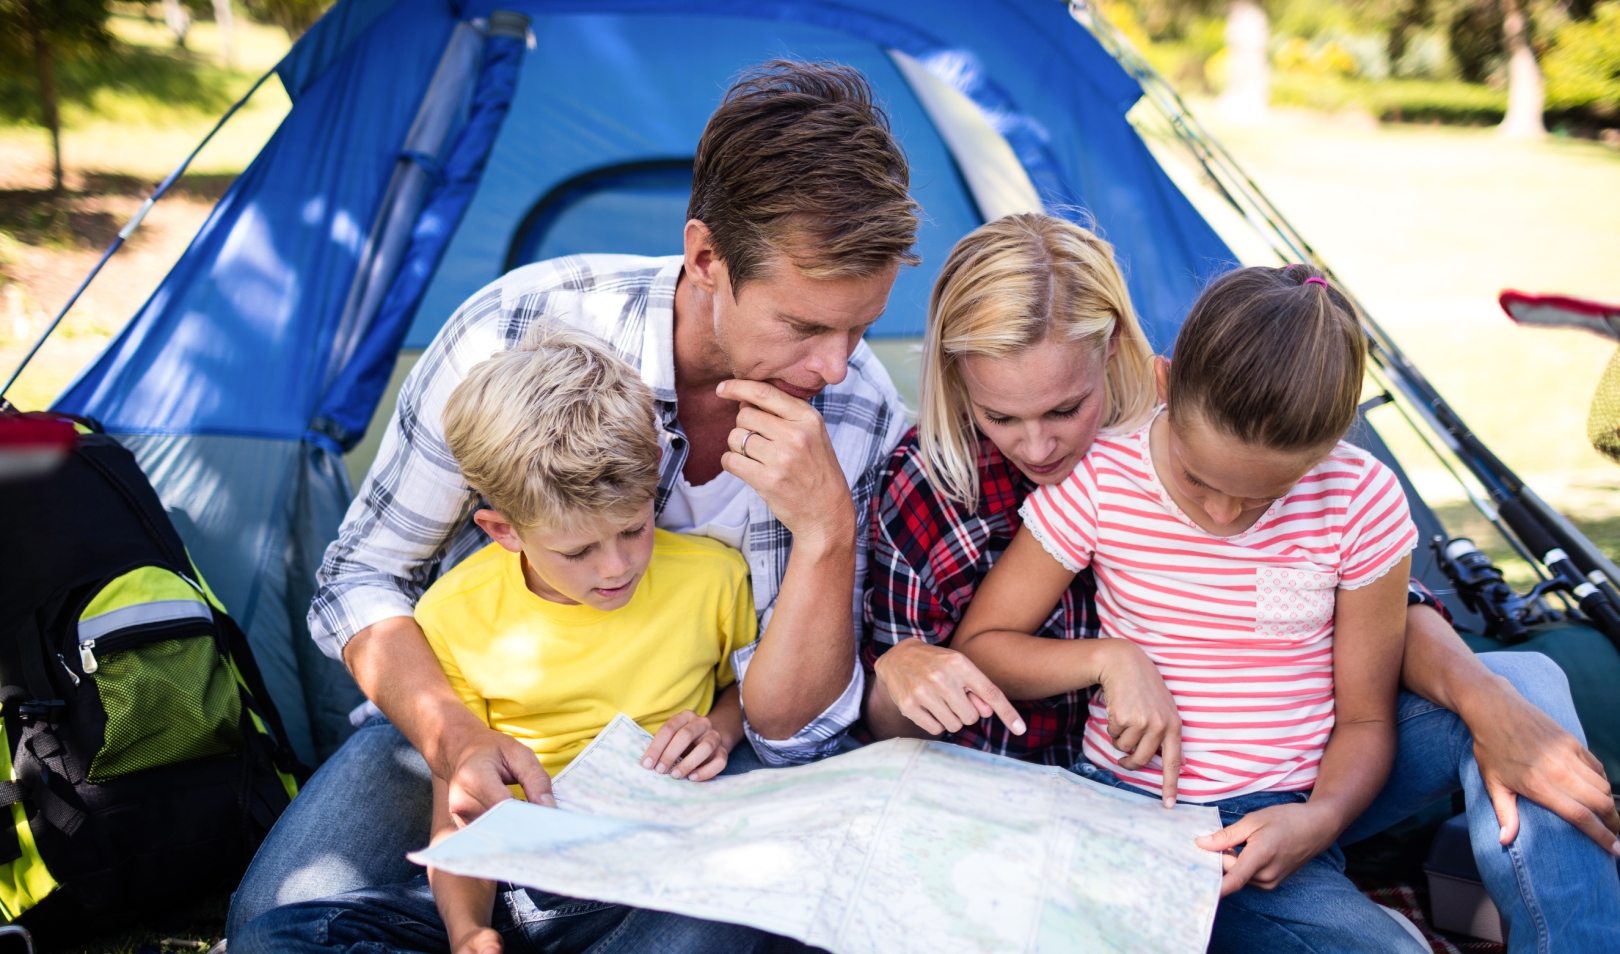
{"x": 87, "y": 657}
{"x": 69, "y": 669}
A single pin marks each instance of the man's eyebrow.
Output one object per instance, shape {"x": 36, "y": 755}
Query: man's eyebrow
{"x": 812, "y": 325}
{"x": 803, "y": 322}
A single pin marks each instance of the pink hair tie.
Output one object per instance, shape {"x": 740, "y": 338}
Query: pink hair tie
{"x": 1313, "y": 280}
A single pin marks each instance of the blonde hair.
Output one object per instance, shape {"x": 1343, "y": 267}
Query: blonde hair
{"x": 1007, "y": 286}
{"x": 555, "y": 429}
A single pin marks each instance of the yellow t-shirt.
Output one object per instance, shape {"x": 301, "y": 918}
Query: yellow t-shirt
{"x": 552, "y": 675}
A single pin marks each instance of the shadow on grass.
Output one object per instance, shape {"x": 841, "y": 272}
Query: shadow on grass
{"x": 76, "y": 219}
{"x": 189, "y": 928}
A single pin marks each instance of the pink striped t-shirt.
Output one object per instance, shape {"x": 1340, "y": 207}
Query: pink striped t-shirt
{"x": 1241, "y": 627}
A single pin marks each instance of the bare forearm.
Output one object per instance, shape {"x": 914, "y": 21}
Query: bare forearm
{"x": 1441, "y": 668}
{"x": 883, "y": 716}
{"x": 726, "y": 716}
{"x": 465, "y": 904}
{"x": 807, "y": 653}
{"x": 395, "y": 667}
{"x": 1354, "y": 767}
{"x": 1034, "y": 667}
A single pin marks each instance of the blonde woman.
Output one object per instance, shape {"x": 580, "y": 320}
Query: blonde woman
{"x": 1032, "y": 350}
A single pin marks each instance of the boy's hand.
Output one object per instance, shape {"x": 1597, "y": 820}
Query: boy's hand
{"x": 480, "y": 941}
{"x": 1276, "y": 842}
{"x": 688, "y": 746}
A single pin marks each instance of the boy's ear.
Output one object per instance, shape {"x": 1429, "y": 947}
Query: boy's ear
{"x": 1161, "y": 377}
{"x": 499, "y": 529}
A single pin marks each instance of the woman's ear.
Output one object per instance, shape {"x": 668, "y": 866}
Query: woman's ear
{"x": 1161, "y": 377}
{"x": 499, "y": 529}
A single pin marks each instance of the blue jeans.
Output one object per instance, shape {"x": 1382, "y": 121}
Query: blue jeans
{"x": 1315, "y": 911}
{"x": 351, "y": 825}
{"x": 402, "y": 919}
{"x": 1556, "y": 889}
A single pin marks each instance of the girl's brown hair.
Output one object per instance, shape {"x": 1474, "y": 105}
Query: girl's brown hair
{"x": 1006, "y": 287}
{"x": 1272, "y": 357}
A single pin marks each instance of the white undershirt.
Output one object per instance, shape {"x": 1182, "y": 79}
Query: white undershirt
{"x": 717, "y": 509}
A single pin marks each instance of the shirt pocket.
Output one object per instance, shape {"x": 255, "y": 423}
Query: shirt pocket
{"x": 1293, "y": 602}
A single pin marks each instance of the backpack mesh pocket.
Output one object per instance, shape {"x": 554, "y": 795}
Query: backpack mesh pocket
{"x": 166, "y": 702}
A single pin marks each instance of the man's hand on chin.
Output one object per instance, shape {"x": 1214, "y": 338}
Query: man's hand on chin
{"x": 780, "y": 447}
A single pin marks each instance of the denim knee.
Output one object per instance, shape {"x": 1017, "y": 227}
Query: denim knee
{"x": 1529, "y": 672}
{"x": 1541, "y": 682}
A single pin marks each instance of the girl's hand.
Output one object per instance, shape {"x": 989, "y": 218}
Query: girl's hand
{"x": 1276, "y": 842}
{"x": 940, "y": 689}
{"x": 1142, "y": 717}
{"x": 688, "y": 746}
{"x": 480, "y": 941}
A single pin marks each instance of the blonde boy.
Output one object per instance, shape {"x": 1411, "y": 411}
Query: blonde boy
{"x": 579, "y": 609}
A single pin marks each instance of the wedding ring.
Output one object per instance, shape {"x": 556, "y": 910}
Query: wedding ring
{"x": 743, "y": 450}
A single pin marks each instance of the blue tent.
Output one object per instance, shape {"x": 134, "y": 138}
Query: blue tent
{"x": 434, "y": 144}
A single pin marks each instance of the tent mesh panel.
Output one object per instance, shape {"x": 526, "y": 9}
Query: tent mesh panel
{"x": 166, "y": 702}
{"x": 1603, "y": 423}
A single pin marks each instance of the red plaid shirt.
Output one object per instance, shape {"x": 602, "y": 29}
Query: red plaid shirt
{"x": 928, "y": 556}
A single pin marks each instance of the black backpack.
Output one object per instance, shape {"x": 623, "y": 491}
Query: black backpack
{"x": 141, "y": 760}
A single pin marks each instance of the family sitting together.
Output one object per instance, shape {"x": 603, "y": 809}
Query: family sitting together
{"x": 684, "y": 488}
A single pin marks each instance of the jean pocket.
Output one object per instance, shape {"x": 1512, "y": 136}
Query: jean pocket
{"x": 531, "y": 904}
{"x": 1293, "y": 602}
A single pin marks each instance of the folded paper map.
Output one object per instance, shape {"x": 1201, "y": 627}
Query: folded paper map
{"x": 899, "y": 846}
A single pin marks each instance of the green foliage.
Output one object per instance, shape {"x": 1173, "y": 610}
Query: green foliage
{"x": 71, "y": 27}
{"x": 1476, "y": 40}
{"x": 294, "y": 16}
{"x": 1583, "y": 66}
{"x": 121, "y": 79}
{"x": 1393, "y": 100}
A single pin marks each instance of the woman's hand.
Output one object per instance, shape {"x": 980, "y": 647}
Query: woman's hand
{"x": 1276, "y": 842}
{"x": 1142, "y": 717}
{"x": 940, "y": 689}
{"x": 688, "y": 746}
{"x": 479, "y": 941}
{"x": 1522, "y": 751}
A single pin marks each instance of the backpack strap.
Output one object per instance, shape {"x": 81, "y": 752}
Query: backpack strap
{"x": 142, "y": 499}
{"x": 40, "y": 697}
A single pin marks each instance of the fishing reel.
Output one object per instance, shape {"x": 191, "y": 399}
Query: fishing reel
{"x": 1508, "y": 613}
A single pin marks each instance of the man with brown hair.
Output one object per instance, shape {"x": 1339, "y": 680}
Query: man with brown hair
{"x": 775, "y": 420}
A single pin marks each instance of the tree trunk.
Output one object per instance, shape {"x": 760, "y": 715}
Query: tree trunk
{"x": 226, "y": 19}
{"x": 47, "y": 90}
{"x": 178, "y": 18}
{"x": 1248, "y": 66}
{"x": 1527, "y": 93}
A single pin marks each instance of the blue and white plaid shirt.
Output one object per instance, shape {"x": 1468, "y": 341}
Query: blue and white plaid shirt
{"x": 411, "y": 519}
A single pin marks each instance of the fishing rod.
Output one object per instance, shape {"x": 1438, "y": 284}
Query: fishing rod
{"x": 124, "y": 234}
{"x": 1573, "y": 564}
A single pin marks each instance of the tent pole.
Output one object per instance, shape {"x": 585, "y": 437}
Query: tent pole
{"x": 128, "y": 230}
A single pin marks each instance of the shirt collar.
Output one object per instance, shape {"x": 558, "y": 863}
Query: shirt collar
{"x": 658, "y": 346}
